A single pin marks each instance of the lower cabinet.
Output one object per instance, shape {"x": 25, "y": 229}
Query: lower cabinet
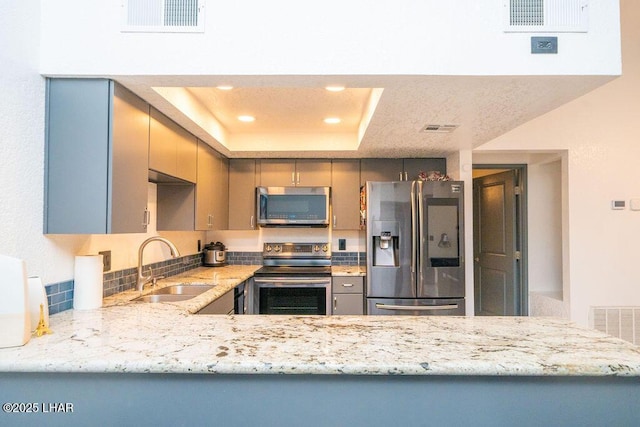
{"x": 222, "y": 305}
{"x": 347, "y": 295}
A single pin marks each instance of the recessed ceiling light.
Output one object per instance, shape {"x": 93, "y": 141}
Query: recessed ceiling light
{"x": 332, "y": 120}
{"x": 246, "y": 118}
{"x": 224, "y": 87}
{"x": 335, "y": 88}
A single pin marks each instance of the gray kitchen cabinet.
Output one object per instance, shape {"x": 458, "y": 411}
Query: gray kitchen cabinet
{"x": 348, "y": 295}
{"x": 398, "y": 169}
{"x": 300, "y": 172}
{"x": 380, "y": 170}
{"x": 412, "y": 167}
{"x": 212, "y": 191}
{"x": 96, "y": 158}
{"x": 242, "y": 194}
{"x": 221, "y": 305}
{"x": 345, "y": 194}
{"x": 221, "y": 195}
{"x": 172, "y": 150}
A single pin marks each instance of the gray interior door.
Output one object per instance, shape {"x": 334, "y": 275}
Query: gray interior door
{"x": 497, "y": 282}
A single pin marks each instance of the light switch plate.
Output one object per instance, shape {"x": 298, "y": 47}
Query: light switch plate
{"x": 618, "y": 204}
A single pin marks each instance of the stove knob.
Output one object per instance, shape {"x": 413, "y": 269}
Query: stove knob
{"x": 278, "y": 248}
{"x": 325, "y": 248}
{"x": 268, "y": 248}
{"x": 316, "y": 248}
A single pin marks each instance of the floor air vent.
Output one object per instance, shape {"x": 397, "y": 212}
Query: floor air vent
{"x": 621, "y": 322}
{"x": 546, "y": 15}
{"x": 176, "y": 16}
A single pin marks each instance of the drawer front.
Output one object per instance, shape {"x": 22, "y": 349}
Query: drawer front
{"x": 348, "y": 284}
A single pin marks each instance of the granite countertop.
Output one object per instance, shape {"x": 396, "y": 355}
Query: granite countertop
{"x": 126, "y": 337}
{"x": 348, "y": 270}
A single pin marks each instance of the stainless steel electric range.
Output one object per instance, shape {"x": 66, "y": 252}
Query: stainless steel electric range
{"x": 295, "y": 279}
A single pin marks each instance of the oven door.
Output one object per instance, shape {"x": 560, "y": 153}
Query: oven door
{"x": 290, "y": 295}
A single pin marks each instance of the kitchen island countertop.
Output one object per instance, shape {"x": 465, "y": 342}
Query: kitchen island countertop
{"x": 127, "y": 337}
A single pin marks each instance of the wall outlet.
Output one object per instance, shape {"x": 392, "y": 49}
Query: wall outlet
{"x": 106, "y": 260}
{"x": 342, "y": 244}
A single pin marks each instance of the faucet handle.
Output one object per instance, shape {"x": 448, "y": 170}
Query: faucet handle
{"x": 154, "y": 280}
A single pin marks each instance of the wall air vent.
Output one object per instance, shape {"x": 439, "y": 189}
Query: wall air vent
{"x": 163, "y": 16}
{"x": 546, "y": 15}
{"x": 431, "y": 128}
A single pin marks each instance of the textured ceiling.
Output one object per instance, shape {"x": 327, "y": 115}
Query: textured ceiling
{"x": 482, "y": 107}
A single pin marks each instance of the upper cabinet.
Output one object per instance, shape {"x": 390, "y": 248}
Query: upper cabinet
{"x": 380, "y": 170}
{"x": 96, "y": 158}
{"x": 412, "y": 167}
{"x": 399, "y": 169}
{"x": 212, "y": 190}
{"x": 242, "y": 194}
{"x": 172, "y": 150}
{"x": 301, "y": 173}
{"x": 345, "y": 194}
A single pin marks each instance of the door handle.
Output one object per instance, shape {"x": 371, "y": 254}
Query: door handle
{"x": 416, "y": 307}
{"x": 477, "y": 259}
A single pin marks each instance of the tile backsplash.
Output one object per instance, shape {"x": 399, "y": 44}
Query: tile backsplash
{"x": 60, "y": 295}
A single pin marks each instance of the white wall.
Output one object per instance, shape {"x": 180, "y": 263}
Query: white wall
{"x": 600, "y": 133}
{"x": 284, "y": 37}
{"x": 22, "y": 166}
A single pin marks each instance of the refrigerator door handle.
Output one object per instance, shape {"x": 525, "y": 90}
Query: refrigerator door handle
{"x": 421, "y": 230}
{"x": 416, "y": 307}
{"x": 414, "y": 231}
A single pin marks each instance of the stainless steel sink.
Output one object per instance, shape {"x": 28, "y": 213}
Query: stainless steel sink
{"x": 192, "y": 290}
{"x": 162, "y": 298}
{"x": 174, "y": 293}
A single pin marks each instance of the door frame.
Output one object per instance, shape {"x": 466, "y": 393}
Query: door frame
{"x": 520, "y": 231}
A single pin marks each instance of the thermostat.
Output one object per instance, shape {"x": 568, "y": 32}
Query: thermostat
{"x": 618, "y": 204}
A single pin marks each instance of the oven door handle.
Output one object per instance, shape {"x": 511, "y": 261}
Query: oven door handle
{"x": 416, "y": 307}
{"x": 281, "y": 280}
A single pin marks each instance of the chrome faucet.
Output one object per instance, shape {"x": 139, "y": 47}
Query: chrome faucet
{"x": 142, "y": 279}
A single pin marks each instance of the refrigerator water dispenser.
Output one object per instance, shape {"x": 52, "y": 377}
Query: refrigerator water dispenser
{"x": 385, "y": 244}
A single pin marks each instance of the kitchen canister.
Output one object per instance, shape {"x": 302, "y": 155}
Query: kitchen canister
{"x": 14, "y": 303}
{"x": 87, "y": 286}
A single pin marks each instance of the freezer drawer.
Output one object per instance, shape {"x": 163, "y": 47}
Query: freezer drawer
{"x": 416, "y": 307}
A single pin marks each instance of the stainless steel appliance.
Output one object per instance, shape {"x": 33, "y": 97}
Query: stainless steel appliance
{"x": 214, "y": 255}
{"x": 415, "y": 247}
{"x": 295, "y": 279}
{"x": 293, "y": 206}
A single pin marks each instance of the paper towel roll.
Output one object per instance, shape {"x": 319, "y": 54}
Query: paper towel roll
{"x": 87, "y": 288}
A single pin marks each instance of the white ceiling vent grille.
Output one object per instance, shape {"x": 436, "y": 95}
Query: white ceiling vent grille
{"x": 174, "y": 16}
{"x": 546, "y": 15}
{"x": 432, "y": 128}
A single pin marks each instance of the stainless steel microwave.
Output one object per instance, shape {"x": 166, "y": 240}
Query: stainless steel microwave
{"x": 293, "y": 206}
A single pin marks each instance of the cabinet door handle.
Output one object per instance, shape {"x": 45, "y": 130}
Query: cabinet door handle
{"x": 335, "y": 304}
{"x": 293, "y": 178}
{"x": 335, "y": 221}
{"x": 298, "y": 178}
{"x": 251, "y": 222}
{"x": 347, "y": 285}
{"x": 146, "y": 218}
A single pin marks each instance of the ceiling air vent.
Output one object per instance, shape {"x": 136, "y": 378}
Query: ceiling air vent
{"x": 439, "y": 128}
{"x": 163, "y": 16}
{"x": 546, "y": 15}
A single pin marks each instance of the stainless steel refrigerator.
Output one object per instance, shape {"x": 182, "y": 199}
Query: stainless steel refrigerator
{"x": 415, "y": 247}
